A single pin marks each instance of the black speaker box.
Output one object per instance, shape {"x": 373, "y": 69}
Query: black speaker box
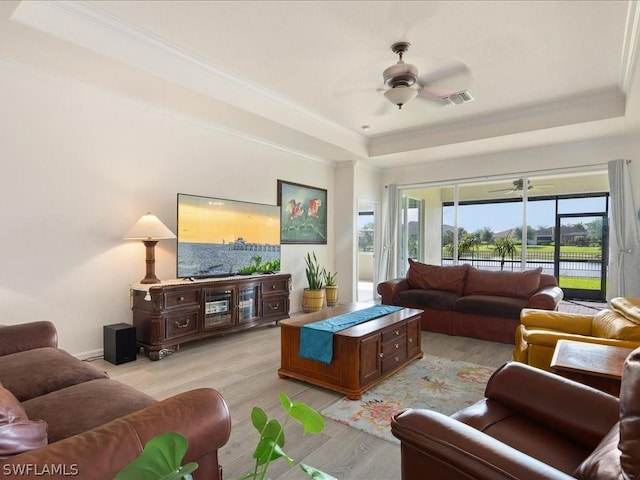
{"x": 120, "y": 343}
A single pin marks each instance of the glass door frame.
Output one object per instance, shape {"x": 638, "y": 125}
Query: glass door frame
{"x": 578, "y": 293}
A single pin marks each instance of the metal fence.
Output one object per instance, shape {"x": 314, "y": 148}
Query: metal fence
{"x": 572, "y": 264}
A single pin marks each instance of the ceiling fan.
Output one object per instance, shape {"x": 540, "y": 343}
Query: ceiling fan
{"x": 518, "y": 186}
{"x": 403, "y": 83}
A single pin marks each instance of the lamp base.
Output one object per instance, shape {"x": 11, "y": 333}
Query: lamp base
{"x": 147, "y": 280}
{"x": 150, "y": 262}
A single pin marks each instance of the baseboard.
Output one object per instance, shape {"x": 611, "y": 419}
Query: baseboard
{"x": 91, "y": 354}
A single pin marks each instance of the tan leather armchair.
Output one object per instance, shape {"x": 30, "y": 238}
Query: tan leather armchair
{"x": 539, "y": 330}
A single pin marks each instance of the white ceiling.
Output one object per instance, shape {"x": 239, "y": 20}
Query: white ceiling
{"x": 305, "y": 75}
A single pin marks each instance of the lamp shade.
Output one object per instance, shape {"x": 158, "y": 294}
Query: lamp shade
{"x": 400, "y": 95}
{"x": 149, "y": 228}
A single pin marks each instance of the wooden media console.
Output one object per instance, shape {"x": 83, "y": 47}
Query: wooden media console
{"x": 363, "y": 355}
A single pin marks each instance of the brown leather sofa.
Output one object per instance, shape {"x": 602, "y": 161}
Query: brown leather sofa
{"x": 531, "y": 425}
{"x": 466, "y": 301}
{"x": 539, "y": 330}
{"x": 62, "y": 417}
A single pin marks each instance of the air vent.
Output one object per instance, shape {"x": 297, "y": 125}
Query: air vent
{"x": 457, "y": 98}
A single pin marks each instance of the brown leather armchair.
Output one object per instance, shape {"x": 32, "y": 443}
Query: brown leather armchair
{"x": 531, "y": 425}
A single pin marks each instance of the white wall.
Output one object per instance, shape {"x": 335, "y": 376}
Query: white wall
{"x": 80, "y": 166}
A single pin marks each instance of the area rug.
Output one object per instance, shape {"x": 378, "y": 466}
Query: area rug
{"x": 434, "y": 383}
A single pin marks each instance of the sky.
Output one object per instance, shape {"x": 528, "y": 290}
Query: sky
{"x": 504, "y": 216}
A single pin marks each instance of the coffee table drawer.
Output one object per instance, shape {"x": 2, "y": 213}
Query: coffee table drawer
{"x": 390, "y": 334}
{"x": 394, "y": 360}
{"x": 397, "y": 344}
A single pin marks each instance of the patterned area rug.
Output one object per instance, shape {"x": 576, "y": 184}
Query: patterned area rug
{"x": 435, "y": 383}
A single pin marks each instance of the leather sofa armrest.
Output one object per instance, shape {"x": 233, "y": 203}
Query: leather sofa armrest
{"x": 546, "y": 298}
{"x": 390, "y": 288}
{"x": 437, "y": 446}
{"x": 579, "y": 324}
{"x": 201, "y": 415}
{"x": 27, "y": 336}
{"x": 561, "y": 405}
{"x": 548, "y": 338}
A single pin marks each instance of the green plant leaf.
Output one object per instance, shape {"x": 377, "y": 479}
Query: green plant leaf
{"x": 315, "y": 473}
{"x": 160, "y": 460}
{"x": 274, "y": 431}
{"x": 267, "y": 451}
{"x": 258, "y": 418}
{"x": 311, "y": 421}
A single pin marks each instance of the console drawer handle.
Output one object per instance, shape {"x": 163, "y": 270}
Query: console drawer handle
{"x": 396, "y": 332}
{"x": 411, "y": 340}
{"x": 181, "y": 299}
{"x": 381, "y": 355}
{"x": 183, "y": 325}
{"x": 274, "y": 307}
{"x": 397, "y": 345}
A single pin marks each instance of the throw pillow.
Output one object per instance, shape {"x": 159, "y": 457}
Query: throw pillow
{"x": 504, "y": 284}
{"x": 435, "y": 277}
{"x": 17, "y": 433}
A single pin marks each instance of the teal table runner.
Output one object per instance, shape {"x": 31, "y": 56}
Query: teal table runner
{"x": 316, "y": 339}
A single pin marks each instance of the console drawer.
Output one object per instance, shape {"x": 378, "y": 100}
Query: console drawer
{"x": 277, "y": 285}
{"x": 275, "y": 306}
{"x": 182, "y": 298}
{"x": 390, "y": 334}
{"x": 181, "y": 324}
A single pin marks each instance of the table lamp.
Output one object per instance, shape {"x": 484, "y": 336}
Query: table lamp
{"x": 149, "y": 229}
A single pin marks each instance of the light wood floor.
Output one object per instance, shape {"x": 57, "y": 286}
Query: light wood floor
{"x": 242, "y": 367}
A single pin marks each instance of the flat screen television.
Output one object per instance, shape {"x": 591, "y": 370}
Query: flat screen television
{"x": 219, "y": 237}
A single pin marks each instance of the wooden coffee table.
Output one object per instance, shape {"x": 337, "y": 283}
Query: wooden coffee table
{"x": 363, "y": 355}
{"x": 599, "y": 366}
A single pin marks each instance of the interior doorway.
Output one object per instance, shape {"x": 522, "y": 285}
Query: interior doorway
{"x": 367, "y": 251}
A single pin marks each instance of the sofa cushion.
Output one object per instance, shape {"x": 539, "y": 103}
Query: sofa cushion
{"x": 504, "y": 284}
{"x": 490, "y": 306}
{"x": 435, "y": 277}
{"x": 84, "y": 406}
{"x": 18, "y": 434}
{"x": 32, "y": 373}
{"x": 609, "y": 324}
{"x": 436, "y": 299}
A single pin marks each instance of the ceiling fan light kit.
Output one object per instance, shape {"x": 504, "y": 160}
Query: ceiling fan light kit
{"x": 400, "y": 95}
{"x": 403, "y": 83}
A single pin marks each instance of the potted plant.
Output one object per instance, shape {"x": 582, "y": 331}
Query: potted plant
{"x": 331, "y": 288}
{"x": 162, "y": 456}
{"x": 272, "y": 439}
{"x": 313, "y": 296}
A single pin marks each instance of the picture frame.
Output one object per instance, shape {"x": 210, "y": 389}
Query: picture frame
{"x": 303, "y": 213}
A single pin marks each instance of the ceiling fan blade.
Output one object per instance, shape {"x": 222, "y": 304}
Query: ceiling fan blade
{"x": 433, "y": 94}
{"x": 384, "y": 109}
{"x": 503, "y": 190}
{"x": 455, "y": 75}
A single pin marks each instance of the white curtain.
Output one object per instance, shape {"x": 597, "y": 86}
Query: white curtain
{"x": 624, "y": 272}
{"x": 386, "y": 266}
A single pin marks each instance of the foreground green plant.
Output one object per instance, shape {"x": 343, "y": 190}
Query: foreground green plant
{"x": 160, "y": 460}
{"x": 272, "y": 439}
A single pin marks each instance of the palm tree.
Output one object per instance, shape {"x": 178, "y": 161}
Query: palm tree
{"x": 505, "y": 246}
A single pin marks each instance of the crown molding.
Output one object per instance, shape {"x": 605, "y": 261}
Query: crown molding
{"x": 630, "y": 45}
{"x": 598, "y": 105}
{"x": 87, "y": 26}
